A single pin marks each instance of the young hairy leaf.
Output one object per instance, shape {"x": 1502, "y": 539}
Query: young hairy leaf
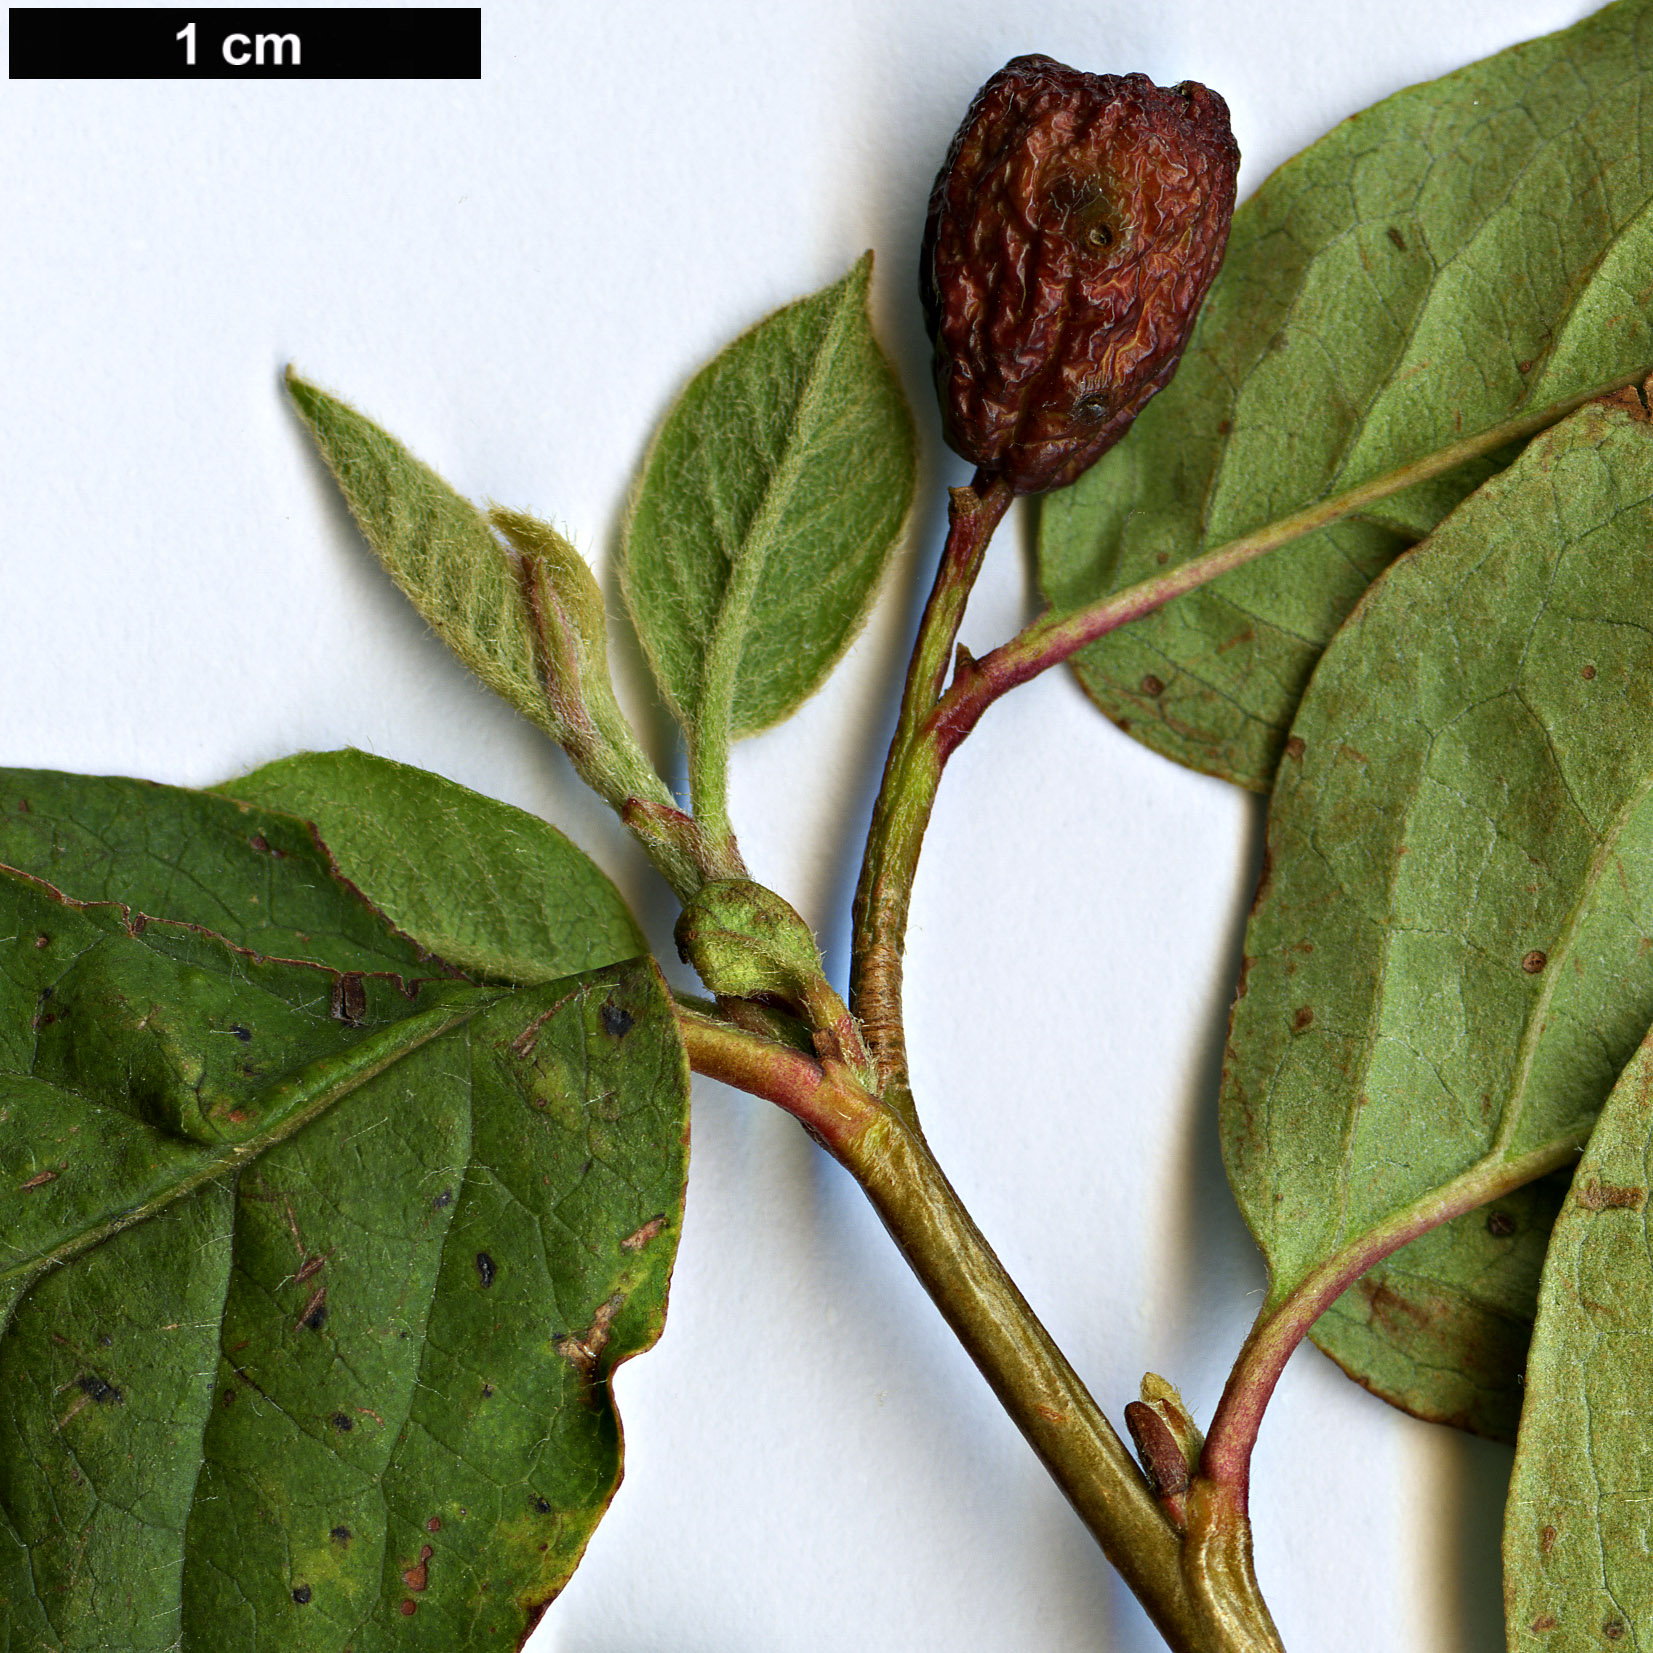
{"x": 492, "y": 889}
{"x": 1451, "y": 954}
{"x": 314, "y": 1258}
{"x": 1576, "y": 1530}
{"x": 1465, "y": 254}
{"x": 434, "y": 544}
{"x": 770, "y": 503}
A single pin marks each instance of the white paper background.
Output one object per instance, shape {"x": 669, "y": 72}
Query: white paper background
{"x": 516, "y": 275}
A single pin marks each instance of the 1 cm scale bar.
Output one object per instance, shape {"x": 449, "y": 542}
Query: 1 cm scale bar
{"x": 245, "y": 43}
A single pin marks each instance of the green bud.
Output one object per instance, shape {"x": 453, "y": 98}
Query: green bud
{"x": 747, "y": 942}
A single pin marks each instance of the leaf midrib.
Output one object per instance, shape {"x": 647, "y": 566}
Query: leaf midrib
{"x": 310, "y": 1094}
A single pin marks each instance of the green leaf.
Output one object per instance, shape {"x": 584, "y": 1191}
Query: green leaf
{"x": 1467, "y": 253}
{"x": 1451, "y": 954}
{"x": 490, "y": 888}
{"x": 315, "y": 1266}
{"x": 1576, "y": 1529}
{"x": 435, "y": 544}
{"x": 770, "y": 503}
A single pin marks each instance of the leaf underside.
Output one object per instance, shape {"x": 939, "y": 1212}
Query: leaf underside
{"x": 1451, "y": 954}
{"x": 316, "y": 1258}
{"x": 770, "y": 504}
{"x": 1576, "y": 1532}
{"x": 1466, "y": 252}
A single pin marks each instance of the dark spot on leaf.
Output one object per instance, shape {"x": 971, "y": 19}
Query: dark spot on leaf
{"x": 1534, "y": 961}
{"x": 229, "y": 1397}
{"x": 23, "y": 807}
{"x": 349, "y": 999}
{"x": 1304, "y": 1018}
{"x": 409, "y": 1608}
{"x": 105, "y": 1341}
{"x": 343, "y": 1422}
{"x": 340, "y": 1535}
{"x": 244, "y": 1034}
{"x": 616, "y": 1021}
{"x": 1613, "y": 1629}
{"x": 1398, "y": 239}
{"x": 487, "y": 1391}
{"x": 1224, "y": 426}
{"x": 1546, "y": 1540}
{"x": 302, "y": 1595}
{"x": 316, "y": 1318}
{"x": 486, "y": 1269}
{"x": 42, "y": 941}
{"x": 1151, "y": 685}
{"x": 140, "y": 923}
{"x": 1523, "y": 367}
{"x": 1094, "y": 406}
{"x": 1544, "y": 1621}
{"x": 542, "y": 1506}
{"x": 260, "y": 843}
{"x": 1162, "y": 557}
{"x": 442, "y": 1200}
{"x": 1500, "y": 1225}
{"x": 1587, "y": 673}
{"x": 434, "y": 1524}
{"x": 1295, "y": 747}
{"x": 97, "y": 1389}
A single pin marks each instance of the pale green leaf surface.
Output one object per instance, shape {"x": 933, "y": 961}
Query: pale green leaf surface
{"x": 314, "y": 1268}
{"x": 1579, "y": 1526}
{"x": 1451, "y": 955}
{"x": 434, "y": 544}
{"x": 1466, "y": 252}
{"x": 770, "y": 503}
{"x": 490, "y": 888}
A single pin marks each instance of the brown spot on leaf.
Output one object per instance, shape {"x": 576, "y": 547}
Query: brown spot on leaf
{"x": 1500, "y": 1225}
{"x": 1544, "y": 1621}
{"x": 1523, "y": 367}
{"x": 1546, "y": 1540}
{"x": 584, "y": 1351}
{"x": 1295, "y": 747}
{"x": 1534, "y": 961}
{"x": 1398, "y": 239}
{"x": 42, "y": 941}
{"x": 434, "y": 1524}
{"x": 1162, "y": 558}
{"x": 1151, "y": 685}
{"x": 310, "y": 1268}
{"x": 314, "y": 1315}
{"x": 39, "y": 1180}
{"x": 23, "y": 807}
{"x": 1388, "y": 1308}
{"x": 1608, "y": 1196}
{"x": 1613, "y": 1629}
{"x": 408, "y": 1608}
{"x": 1587, "y": 673}
{"x": 636, "y": 1242}
{"x": 349, "y": 999}
{"x": 229, "y": 1397}
{"x": 260, "y": 843}
{"x": 1303, "y": 1019}
{"x": 1224, "y": 426}
{"x": 418, "y": 1577}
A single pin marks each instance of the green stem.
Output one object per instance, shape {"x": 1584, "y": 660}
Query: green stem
{"x": 885, "y": 891}
{"x": 1027, "y": 1372}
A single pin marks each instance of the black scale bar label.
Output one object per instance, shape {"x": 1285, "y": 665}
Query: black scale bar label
{"x": 254, "y": 43}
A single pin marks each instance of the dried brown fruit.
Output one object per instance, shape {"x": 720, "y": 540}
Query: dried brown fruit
{"x": 1073, "y": 232}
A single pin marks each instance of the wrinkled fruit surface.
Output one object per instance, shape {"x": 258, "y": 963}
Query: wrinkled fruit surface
{"x": 1073, "y": 232}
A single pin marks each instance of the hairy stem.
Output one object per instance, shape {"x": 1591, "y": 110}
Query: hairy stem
{"x": 1283, "y": 1325}
{"x": 885, "y": 891}
{"x": 979, "y": 1301}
